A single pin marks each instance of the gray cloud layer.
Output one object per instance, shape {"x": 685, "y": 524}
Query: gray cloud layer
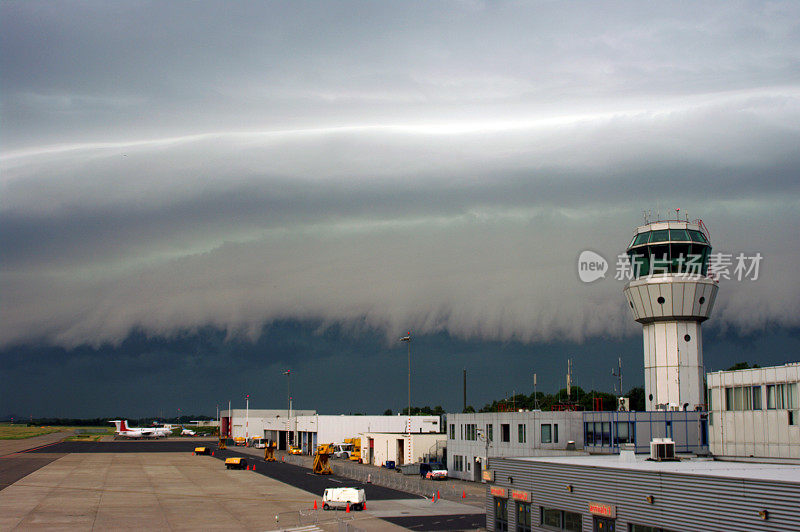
{"x": 438, "y": 167}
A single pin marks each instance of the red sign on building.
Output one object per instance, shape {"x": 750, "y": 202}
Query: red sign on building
{"x": 498, "y": 492}
{"x": 604, "y": 510}
{"x": 524, "y": 496}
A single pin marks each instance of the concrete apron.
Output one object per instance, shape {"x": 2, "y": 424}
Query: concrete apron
{"x": 160, "y": 491}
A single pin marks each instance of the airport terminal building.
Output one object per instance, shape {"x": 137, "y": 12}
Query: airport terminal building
{"x": 633, "y": 494}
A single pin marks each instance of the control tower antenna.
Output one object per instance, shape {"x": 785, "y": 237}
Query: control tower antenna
{"x": 671, "y": 294}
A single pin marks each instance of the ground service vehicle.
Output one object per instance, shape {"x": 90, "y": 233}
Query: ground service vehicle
{"x": 334, "y": 498}
{"x": 433, "y": 471}
{"x": 239, "y": 440}
{"x": 235, "y": 463}
{"x": 355, "y": 454}
{"x": 342, "y": 450}
{"x": 295, "y": 450}
{"x": 259, "y": 443}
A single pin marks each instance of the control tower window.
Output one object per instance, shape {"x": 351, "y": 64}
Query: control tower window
{"x": 641, "y": 238}
{"x": 679, "y": 235}
{"x": 660, "y": 236}
{"x": 697, "y": 236}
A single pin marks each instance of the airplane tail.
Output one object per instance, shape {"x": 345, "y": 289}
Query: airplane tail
{"x": 117, "y": 423}
{"x": 124, "y": 425}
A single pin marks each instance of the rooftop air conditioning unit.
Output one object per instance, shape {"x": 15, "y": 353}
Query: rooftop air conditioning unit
{"x": 623, "y": 404}
{"x": 662, "y": 449}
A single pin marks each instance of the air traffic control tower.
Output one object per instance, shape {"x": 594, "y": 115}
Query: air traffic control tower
{"x": 671, "y": 294}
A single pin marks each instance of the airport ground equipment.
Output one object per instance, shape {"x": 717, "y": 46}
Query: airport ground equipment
{"x": 202, "y": 451}
{"x": 321, "y": 465}
{"x": 355, "y": 454}
{"x": 334, "y": 498}
{"x": 235, "y": 463}
{"x": 222, "y": 444}
{"x": 269, "y": 451}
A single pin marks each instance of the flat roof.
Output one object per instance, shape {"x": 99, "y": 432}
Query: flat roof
{"x": 691, "y": 466}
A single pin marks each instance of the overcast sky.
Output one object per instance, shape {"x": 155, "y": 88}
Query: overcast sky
{"x": 382, "y": 166}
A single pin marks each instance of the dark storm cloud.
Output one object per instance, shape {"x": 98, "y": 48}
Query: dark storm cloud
{"x": 437, "y": 166}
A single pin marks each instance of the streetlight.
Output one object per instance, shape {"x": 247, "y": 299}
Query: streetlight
{"x": 247, "y": 420}
{"x": 407, "y": 339}
{"x": 288, "y": 374}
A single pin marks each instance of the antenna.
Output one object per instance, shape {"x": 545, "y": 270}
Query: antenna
{"x": 569, "y": 378}
{"x": 618, "y": 374}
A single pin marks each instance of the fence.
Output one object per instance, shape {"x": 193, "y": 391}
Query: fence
{"x": 388, "y": 478}
{"x": 302, "y": 519}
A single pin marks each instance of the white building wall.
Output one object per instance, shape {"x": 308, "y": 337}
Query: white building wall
{"x": 333, "y": 429}
{"x": 749, "y": 432}
{"x": 473, "y": 452}
{"x": 385, "y": 446}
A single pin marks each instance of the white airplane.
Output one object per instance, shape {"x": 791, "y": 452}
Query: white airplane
{"x": 139, "y": 432}
{"x": 187, "y": 432}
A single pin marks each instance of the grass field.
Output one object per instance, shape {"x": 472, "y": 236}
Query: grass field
{"x": 21, "y": 432}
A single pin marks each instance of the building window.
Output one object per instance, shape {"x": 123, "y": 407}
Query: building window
{"x": 500, "y": 514}
{"x": 523, "y": 517}
{"x": 782, "y": 396}
{"x": 521, "y": 434}
{"x": 625, "y": 432}
{"x": 547, "y": 433}
{"x": 490, "y": 432}
{"x": 462, "y": 430}
{"x": 452, "y": 431}
{"x": 756, "y": 397}
{"x": 560, "y": 520}
{"x": 644, "y": 528}
{"x": 742, "y": 398}
{"x": 505, "y": 432}
{"x": 458, "y": 463}
{"x": 555, "y": 432}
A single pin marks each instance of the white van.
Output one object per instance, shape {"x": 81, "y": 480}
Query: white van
{"x": 340, "y": 497}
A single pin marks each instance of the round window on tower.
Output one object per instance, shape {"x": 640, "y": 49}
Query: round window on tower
{"x": 687, "y": 337}
{"x": 702, "y": 300}
{"x": 660, "y": 300}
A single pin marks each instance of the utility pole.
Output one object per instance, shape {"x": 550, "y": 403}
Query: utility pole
{"x": 535, "y": 397}
{"x": 247, "y": 420}
{"x": 465, "y": 390}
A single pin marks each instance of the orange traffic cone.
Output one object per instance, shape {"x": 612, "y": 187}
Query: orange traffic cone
{"x": 437, "y": 495}
{"x": 212, "y": 453}
{"x": 464, "y": 494}
{"x": 348, "y": 508}
{"x": 283, "y": 458}
{"x": 192, "y": 453}
{"x": 433, "y": 498}
{"x": 315, "y": 504}
{"x": 364, "y": 505}
{"x": 254, "y": 467}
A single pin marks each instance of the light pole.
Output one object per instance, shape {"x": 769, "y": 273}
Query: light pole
{"x": 247, "y": 420}
{"x": 288, "y": 374}
{"x": 407, "y": 339}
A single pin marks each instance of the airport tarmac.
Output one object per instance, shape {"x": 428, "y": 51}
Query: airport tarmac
{"x": 120, "y": 488}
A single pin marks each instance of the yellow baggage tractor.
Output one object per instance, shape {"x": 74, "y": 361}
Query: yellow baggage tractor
{"x": 202, "y": 450}
{"x": 235, "y": 463}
